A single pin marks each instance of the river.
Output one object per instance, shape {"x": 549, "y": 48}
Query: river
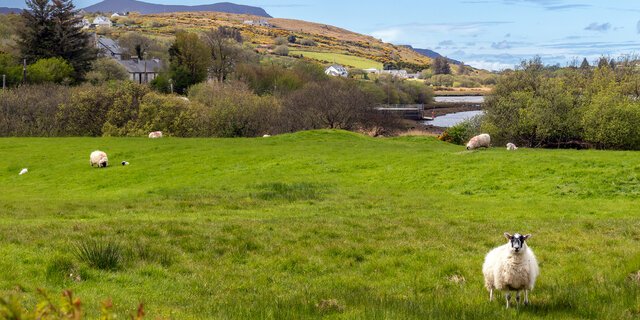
{"x": 452, "y": 119}
{"x": 460, "y": 99}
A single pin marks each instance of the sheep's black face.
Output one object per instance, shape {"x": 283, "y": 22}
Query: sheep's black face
{"x": 103, "y": 164}
{"x": 516, "y": 241}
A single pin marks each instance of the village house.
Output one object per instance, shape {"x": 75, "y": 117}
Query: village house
{"x": 337, "y": 70}
{"x": 109, "y": 48}
{"x": 102, "y": 21}
{"x": 258, "y": 23}
{"x": 142, "y": 71}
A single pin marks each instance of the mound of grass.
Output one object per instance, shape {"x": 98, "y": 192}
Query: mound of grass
{"x": 101, "y": 254}
{"x": 339, "y": 58}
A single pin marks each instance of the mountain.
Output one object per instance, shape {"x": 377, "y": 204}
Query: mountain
{"x": 147, "y": 8}
{"x": 431, "y": 54}
{"x": 5, "y": 10}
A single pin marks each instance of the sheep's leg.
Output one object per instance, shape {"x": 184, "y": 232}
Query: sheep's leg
{"x": 491, "y": 295}
{"x": 508, "y": 298}
{"x": 518, "y": 299}
{"x": 526, "y": 298}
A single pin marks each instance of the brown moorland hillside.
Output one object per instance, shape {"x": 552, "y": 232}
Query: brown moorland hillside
{"x": 325, "y": 38}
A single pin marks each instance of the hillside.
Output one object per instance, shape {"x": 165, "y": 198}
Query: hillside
{"x": 316, "y": 225}
{"x": 5, "y": 10}
{"x": 329, "y": 42}
{"x": 146, "y": 7}
{"x": 431, "y": 54}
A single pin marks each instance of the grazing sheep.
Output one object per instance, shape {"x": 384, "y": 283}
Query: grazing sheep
{"x": 266, "y": 136}
{"x": 23, "y": 171}
{"x": 511, "y": 267}
{"x": 99, "y": 158}
{"x": 124, "y": 163}
{"x": 482, "y": 140}
{"x": 155, "y": 134}
{"x": 511, "y": 146}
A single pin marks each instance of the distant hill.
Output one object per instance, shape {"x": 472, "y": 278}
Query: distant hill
{"x": 431, "y": 54}
{"x": 5, "y": 10}
{"x": 147, "y": 8}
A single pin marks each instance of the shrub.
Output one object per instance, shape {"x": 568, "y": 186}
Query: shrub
{"x": 613, "y": 121}
{"x": 307, "y": 42}
{"x": 54, "y": 69}
{"x": 282, "y": 50}
{"x": 106, "y": 69}
{"x": 280, "y": 41}
{"x": 29, "y": 110}
{"x": 235, "y": 111}
{"x": 102, "y": 254}
{"x": 122, "y": 116}
{"x": 170, "y": 114}
{"x": 86, "y": 111}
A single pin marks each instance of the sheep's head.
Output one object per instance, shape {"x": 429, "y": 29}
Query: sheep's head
{"x": 102, "y": 163}
{"x": 517, "y": 241}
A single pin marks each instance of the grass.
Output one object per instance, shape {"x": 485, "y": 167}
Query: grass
{"x": 339, "y": 58}
{"x": 320, "y": 224}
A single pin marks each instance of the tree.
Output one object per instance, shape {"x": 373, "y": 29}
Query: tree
{"x": 55, "y": 31}
{"x": 189, "y": 60}
{"x": 603, "y": 63}
{"x": 292, "y": 39}
{"x": 50, "y": 70}
{"x": 441, "y": 65}
{"x": 224, "y": 51}
{"x": 137, "y": 44}
{"x": 585, "y": 65}
{"x": 107, "y": 69}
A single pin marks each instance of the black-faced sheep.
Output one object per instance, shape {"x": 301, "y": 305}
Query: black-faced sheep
{"x": 511, "y": 267}
{"x": 99, "y": 158}
{"x": 478, "y": 141}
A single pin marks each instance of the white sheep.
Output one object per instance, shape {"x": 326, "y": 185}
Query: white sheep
{"x": 478, "y": 141}
{"x": 98, "y": 157}
{"x": 511, "y": 267}
{"x": 23, "y": 171}
{"x": 511, "y": 146}
{"x": 266, "y": 136}
{"x": 155, "y": 134}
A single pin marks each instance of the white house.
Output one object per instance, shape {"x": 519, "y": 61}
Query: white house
{"x": 337, "y": 70}
{"x": 118, "y": 15}
{"x": 396, "y": 73}
{"x": 102, "y": 21}
{"x": 85, "y": 23}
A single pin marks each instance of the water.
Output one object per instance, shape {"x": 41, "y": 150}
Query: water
{"x": 451, "y": 119}
{"x": 461, "y": 99}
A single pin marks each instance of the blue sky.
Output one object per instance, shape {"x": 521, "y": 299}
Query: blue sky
{"x": 491, "y": 34}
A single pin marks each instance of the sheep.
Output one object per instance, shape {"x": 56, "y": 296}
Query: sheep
{"x": 511, "y": 146}
{"x": 125, "y": 163}
{"x": 98, "y": 157}
{"x": 23, "y": 171}
{"x": 511, "y": 267}
{"x": 482, "y": 140}
{"x": 155, "y": 134}
{"x": 266, "y": 136}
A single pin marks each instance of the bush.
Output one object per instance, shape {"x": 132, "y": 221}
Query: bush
{"x": 613, "y": 121}
{"x": 235, "y": 111}
{"x": 170, "y": 114}
{"x": 122, "y": 117}
{"x": 29, "y": 110}
{"x": 307, "y": 42}
{"x": 54, "y": 69}
{"x": 106, "y": 69}
{"x": 86, "y": 111}
{"x": 282, "y": 50}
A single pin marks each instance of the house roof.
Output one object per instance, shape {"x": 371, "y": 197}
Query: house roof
{"x": 109, "y": 45}
{"x": 135, "y": 65}
{"x": 338, "y": 67}
{"x": 101, "y": 20}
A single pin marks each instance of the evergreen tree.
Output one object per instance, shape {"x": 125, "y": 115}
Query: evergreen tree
{"x": 54, "y": 30}
{"x": 603, "y": 63}
{"x": 612, "y": 64}
{"x": 585, "y": 65}
{"x": 441, "y": 65}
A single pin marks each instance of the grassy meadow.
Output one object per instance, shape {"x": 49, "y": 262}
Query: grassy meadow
{"x": 319, "y": 224}
{"x": 339, "y": 58}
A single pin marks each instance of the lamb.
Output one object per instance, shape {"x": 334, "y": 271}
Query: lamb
{"x": 511, "y": 146}
{"x": 155, "y": 134}
{"x": 511, "y": 267}
{"x": 478, "y": 141}
{"x": 23, "y": 171}
{"x": 98, "y": 157}
{"x": 266, "y": 136}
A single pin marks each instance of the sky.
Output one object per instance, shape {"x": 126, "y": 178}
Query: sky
{"x": 488, "y": 34}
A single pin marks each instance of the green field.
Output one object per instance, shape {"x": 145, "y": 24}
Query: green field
{"x": 268, "y": 228}
{"x": 343, "y": 59}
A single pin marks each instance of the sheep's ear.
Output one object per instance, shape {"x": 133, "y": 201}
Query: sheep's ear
{"x": 508, "y": 236}
{"x": 527, "y": 237}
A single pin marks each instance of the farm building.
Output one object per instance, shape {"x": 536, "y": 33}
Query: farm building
{"x": 109, "y": 48}
{"x": 142, "y": 71}
{"x": 337, "y": 70}
{"x": 102, "y": 21}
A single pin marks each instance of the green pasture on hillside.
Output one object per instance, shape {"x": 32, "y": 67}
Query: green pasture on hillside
{"x": 319, "y": 224}
{"x": 339, "y": 58}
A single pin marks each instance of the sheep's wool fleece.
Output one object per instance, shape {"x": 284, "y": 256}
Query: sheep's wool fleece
{"x": 478, "y": 141}
{"x": 98, "y": 156}
{"x": 504, "y": 269}
{"x": 511, "y": 146}
{"x": 155, "y": 134}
